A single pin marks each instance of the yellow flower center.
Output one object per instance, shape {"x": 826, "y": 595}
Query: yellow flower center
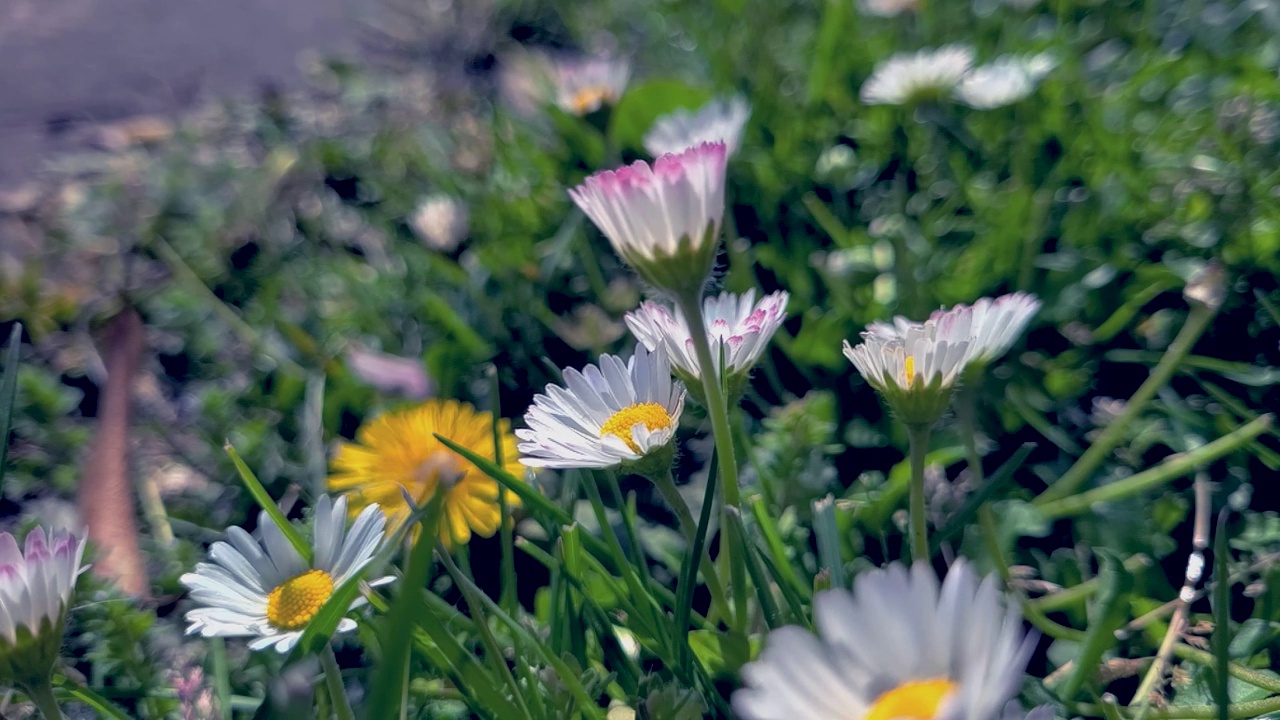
{"x": 292, "y": 605}
{"x": 653, "y": 415}
{"x": 590, "y": 98}
{"x": 917, "y": 700}
{"x": 909, "y": 369}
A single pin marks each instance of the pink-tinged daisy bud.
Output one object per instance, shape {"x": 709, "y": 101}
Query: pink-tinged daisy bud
{"x": 35, "y": 592}
{"x": 584, "y": 85}
{"x": 738, "y": 328}
{"x": 663, "y": 220}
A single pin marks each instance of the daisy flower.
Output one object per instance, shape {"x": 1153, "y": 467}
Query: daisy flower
{"x": 397, "y": 453}
{"x": 916, "y": 77}
{"x": 994, "y": 324}
{"x": 719, "y": 120}
{"x": 1003, "y": 81}
{"x": 897, "y": 646}
{"x": 737, "y": 326}
{"x": 35, "y": 592}
{"x": 584, "y": 85}
{"x": 260, "y": 587}
{"x": 914, "y": 366}
{"x": 617, "y": 413}
{"x": 663, "y": 220}
{"x": 441, "y": 222}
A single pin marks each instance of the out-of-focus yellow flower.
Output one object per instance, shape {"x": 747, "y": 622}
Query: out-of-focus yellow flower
{"x": 399, "y": 450}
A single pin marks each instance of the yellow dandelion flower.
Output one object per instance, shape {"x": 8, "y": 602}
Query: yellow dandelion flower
{"x": 399, "y": 450}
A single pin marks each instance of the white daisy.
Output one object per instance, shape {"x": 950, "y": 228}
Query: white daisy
{"x": 737, "y": 326}
{"x": 913, "y": 77}
{"x": 261, "y": 587}
{"x": 994, "y": 324}
{"x": 887, "y": 8}
{"x": 897, "y": 646}
{"x": 719, "y": 120}
{"x": 1004, "y": 81}
{"x": 914, "y": 365}
{"x": 614, "y": 414}
{"x": 584, "y": 85}
{"x": 440, "y": 222}
{"x": 35, "y": 592}
{"x": 665, "y": 220}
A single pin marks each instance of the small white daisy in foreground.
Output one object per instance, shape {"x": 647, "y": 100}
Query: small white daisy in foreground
{"x": 887, "y": 8}
{"x": 994, "y": 324}
{"x": 719, "y": 120}
{"x": 1004, "y": 81}
{"x": 663, "y": 220}
{"x": 736, "y": 323}
{"x": 35, "y": 592}
{"x": 914, "y": 365}
{"x": 608, "y": 415}
{"x": 584, "y": 85}
{"x": 897, "y": 646}
{"x": 919, "y": 76}
{"x": 261, "y": 587}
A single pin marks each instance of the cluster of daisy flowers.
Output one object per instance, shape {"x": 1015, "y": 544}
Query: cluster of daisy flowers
{"x": 933, "y": 75}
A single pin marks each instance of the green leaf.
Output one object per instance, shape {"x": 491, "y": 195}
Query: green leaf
{"x": 265, "y": 502}
{"x": 721, "y": 653}
{"x": 8, "y": 389}
{"x": 1109, "y": 613}
{"x": 535, "y": 501}
{"x": 101, "y": 705}
{"x": 1221, "y": 641}
{"x": 644, "y": 103}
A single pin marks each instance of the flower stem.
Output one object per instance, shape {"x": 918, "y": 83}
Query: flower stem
{"x": 41, "y": 694}
{"x": 666, "y": 484}
{"x": 918, "y": 439}
{"x": 718, "y": 410}
{"x": 333, "y": 680}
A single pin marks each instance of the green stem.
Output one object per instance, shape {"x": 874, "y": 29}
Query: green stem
{"x": 666, "y": 484}
{"x": 918, "y": 438}
{"x": 333, "y": 680}
{"x": 1176, "y": 466}
{"x": 1197, "y": 321}
{"x": 41, "y": 694}
{"x": 1235, "y": 711}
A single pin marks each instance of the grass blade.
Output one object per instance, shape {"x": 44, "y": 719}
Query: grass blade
{"x": 8, "y": 390}
{"x": 265, "y": 502}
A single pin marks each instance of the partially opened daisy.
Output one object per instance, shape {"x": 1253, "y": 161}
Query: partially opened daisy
{"x": 584, "y": 85}
{"x": 397, "y": 454}
{"x": 260, "y": 587}
{"x": 994, "y": 324}
{"x": 923, "y": 76}
{"x": 914, "y": 366}
{"x": 898, "y": 646}
{"x": 720, "y": 120}
{"x": 739, "y": 329}
{"x": 35, "y": 593}
{"x": 614, "y": 414}
{"x": 1003, "y": 81}
{"x": 663, "y": 220}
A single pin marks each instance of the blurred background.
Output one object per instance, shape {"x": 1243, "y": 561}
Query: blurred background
{"x": 265, "y": 222}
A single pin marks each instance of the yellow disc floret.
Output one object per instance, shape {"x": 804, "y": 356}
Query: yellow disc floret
{"x": 590, "y": 98}
{"x": 909, "y": 369}
{"x": 918, "y": 700}
{"x": 292, "y": 605}
{"x": 652, "y": 415}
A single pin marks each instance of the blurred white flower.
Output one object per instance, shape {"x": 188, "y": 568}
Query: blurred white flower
{"x": 584, "y": 85}
{"x": 440, "y": 222}
{"x": 914, "y": 77}
{"x": 719, "y": 120}
{"x": 897, "y": 646}
{"x": 1003, "y": 81}
{"x": 389, "y": 373}
{"x": 887, "y": 8}
{"x": 36, "y": 584}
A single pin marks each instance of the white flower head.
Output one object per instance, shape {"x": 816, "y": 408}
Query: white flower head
{"x": 719, "y": 120}
{"x": 584, "y": 85}
{"x": 887, "y": 8}
{"x": 737, "y": 326}
{"x": 35, "y": 591}
{"x": 914, "y": 77}
{"x": 260, "y": 587}
{"x": 898, "y": 646}
{"x": 914, "y": 365}
{"x": 1004, "y": 81}
{"x": 616, "y": 413}
{"x": 440, "y": 222}
{"x": 663, "y": 220}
